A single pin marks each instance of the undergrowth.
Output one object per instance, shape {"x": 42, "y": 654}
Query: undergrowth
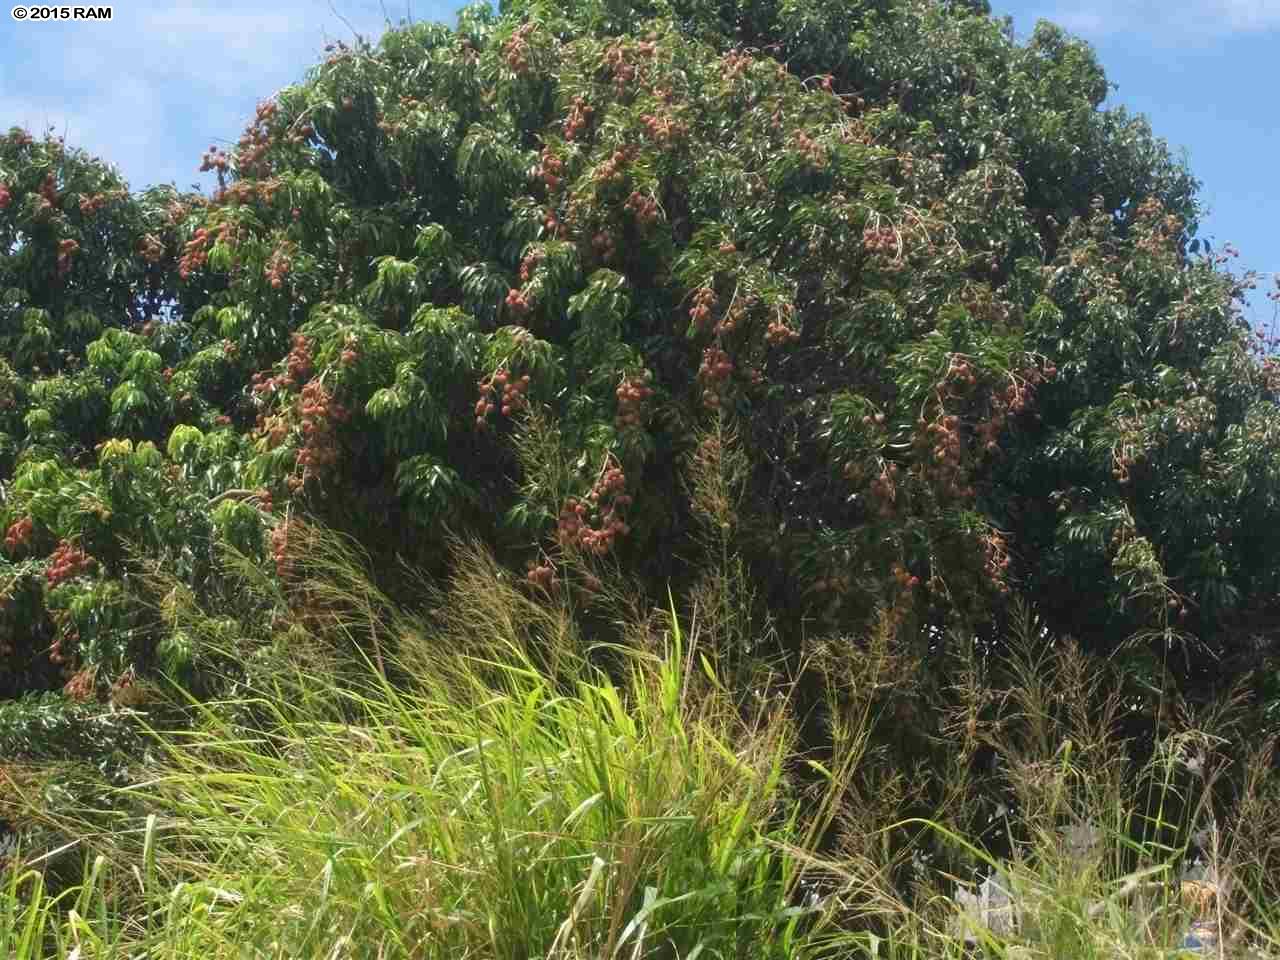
{"x": 477, "y": 778}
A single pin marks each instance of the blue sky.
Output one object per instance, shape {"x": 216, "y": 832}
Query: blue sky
{"x": 1203, "y": 72}
{"x": 151, "y": 90}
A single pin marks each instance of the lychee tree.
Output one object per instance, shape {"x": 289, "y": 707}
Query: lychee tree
{"x": 84, "y": 264}
{"x": 501, "y": 278}
{"x": 79, "y": 253}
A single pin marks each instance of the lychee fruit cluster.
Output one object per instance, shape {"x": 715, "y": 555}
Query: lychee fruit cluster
{"x": 543, "y": 576}
{"x": 516, "y": 50}
{"x": 780, "y": 334}
{"x": 277, "y": 268}
{"x": 275, "y": 429}
{"x": 631, "y": 394}
{"x": 299, "y": 362}
{"x": 18, "y": 535}
{"x": 281, "y": 548}
{"x": 513, "y": 399}
{"x": 5, "y": 195}
{"x": 940, "y": 446}
{"x": 302, "y": 132}
{"x": 1163, "y": 230}
{"x": 580, "y": 113}
{"x": 606, "y": 500}
{"x": 1123, "y": 461}
{"x": 517, "y": 301}
{"x": 945, "y": 437}
{"x": 623, "y": 71}
{"x": 530, "y": 264}
{"x": 988, "y": 431}
{"x": 960, "y": 374}
{"x": 1265, "y": 341}
{"x": 66, "y": 250}
{"x": 49, "y": 189}
{"x": 996, "y": 560}
{"x": 67, "y": 562}
{"x": 704, "y": 300}
{"x": 251, "y": 149}
{"x": 152, "y": 249}
{"x": 732, "y": 319}
{"x": 195, "y": 253}
{"x": 1014, "y": 400}
{"x": 550, "y": 168}
{"x": 80, "y": 687}
{"x": 604, "y": 246}
{"x": 1271, "y": 374}
{"x": 68, "y": 638}
{"x": 613, "y": 170}
{"x": 299, "y": 366}
{"x": 663, "y": 130}
{"x": 1017, "y": 396}
{"x": 611, "y": 484}
{"x": 810, "y": 148}
{"x": 320, "y": 415}
{"x": 736, "y": 63}
{"x": 882, "y": 493}
{"x": 645, "y": 209}
{"x": 215, "y": 160}
{"x": 714, "y": 373}
{"x": 879, "y": 240}
{"x": 242, "y": 191}
{"x": 552, "y": 224}
{"x": 91, "y": 204}
{"x": 247, "y": 191}
{"x": 350, "y": 351}
{"x": 572, "y": 522}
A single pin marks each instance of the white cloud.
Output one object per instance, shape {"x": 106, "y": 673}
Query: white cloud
{"x": 1082, "y": 22}
{"x": 1183, "y": 20}
{"x": 137, "y": 90}
{"x": 1250, "y": 14}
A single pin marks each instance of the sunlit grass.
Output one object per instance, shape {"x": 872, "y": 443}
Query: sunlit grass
{"x": 491, "y": 786}
{"x": 487, "y": 808}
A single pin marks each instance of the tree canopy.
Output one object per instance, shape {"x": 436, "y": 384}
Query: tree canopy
{"x": 513, "y": 278}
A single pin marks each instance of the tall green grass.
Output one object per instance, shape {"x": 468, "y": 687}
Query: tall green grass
{"x": 484, "y": 807}
{"x": 480, "y": 782}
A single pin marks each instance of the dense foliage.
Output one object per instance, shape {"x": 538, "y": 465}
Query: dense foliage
{"x": 511, "y": 278}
